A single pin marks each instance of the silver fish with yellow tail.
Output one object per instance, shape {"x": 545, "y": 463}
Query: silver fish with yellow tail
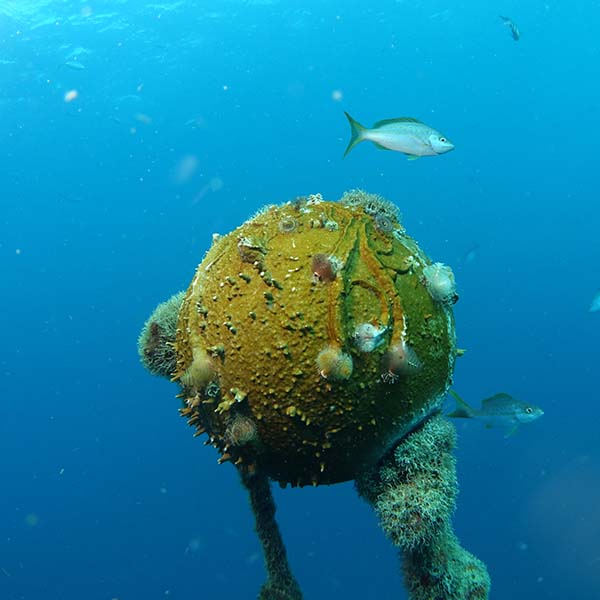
{"x": 404, "y": 134}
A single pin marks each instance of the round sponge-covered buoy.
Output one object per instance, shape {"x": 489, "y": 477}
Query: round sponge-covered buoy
{"x": 308, "y": 342}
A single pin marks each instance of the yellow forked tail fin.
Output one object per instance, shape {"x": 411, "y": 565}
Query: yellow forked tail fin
{"x": 356, "y": 133}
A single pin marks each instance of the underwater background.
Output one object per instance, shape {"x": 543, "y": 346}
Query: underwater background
{"x": 131, "y": 132}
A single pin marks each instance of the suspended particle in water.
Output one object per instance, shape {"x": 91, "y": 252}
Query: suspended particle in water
{"x": 185, "y": 169}
{"x": 71, "y": 95}
{"x": 31, "y": 520}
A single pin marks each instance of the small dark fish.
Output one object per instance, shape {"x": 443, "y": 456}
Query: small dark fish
{"x": 514, "y": 30}
{"x": 501, "y": 409}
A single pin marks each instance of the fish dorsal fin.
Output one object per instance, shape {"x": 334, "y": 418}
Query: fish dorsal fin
{"x": 394, "y": 121}
{"x": 501, "y": 397}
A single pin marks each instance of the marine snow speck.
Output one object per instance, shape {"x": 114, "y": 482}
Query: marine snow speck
{"x": 501, "y": 409}
{"x": 404, "y": 134}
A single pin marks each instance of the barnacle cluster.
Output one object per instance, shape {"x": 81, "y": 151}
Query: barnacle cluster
{"x": 333, "y": 363}
{"x": 155, "y": 344}
{"x": 372, "y": 204}
{"x": 413, "y": 492}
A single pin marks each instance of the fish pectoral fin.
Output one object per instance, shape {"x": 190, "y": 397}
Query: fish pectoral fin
{"x": 512, "y": 431}
{"x": 413, "y": 156}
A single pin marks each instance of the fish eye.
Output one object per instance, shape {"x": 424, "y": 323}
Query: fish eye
{"x": 443, "y": 139}
{"x": 529, "y": 410}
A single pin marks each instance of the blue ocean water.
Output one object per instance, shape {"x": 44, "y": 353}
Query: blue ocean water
{"x": 132, "y": 131}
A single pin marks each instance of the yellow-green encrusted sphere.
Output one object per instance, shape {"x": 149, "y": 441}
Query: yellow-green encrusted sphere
{"x": 308, "y": 342}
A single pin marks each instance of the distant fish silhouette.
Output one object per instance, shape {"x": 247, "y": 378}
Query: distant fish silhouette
{"x": 75, "y": 65}
{"x": 595, "y": 305}
{"x": 77, "y": 52}
{"x": 514, "y": 30}
{"x": 471, "y": 254}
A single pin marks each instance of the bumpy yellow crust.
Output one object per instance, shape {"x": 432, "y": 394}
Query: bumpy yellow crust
{"x": 268, "y": 358}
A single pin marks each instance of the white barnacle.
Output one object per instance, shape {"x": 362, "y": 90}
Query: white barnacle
{"x": 439, "y": 281}
{"x": 367, "y": 337}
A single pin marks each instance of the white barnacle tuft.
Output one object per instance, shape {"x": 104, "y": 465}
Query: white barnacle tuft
{"x": 367, "y": 337}
{"x": 439, "y": 281}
